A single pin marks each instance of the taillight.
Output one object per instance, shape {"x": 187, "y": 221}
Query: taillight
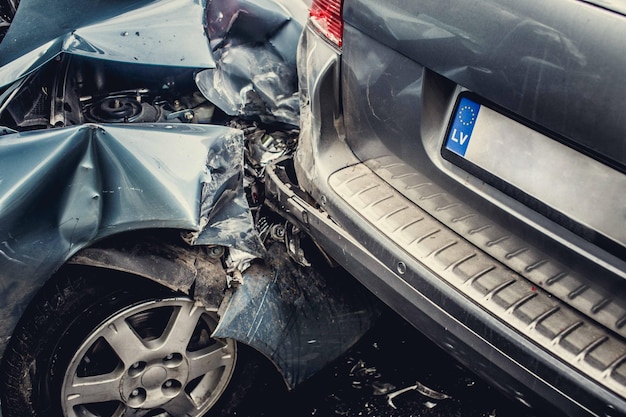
{"x": 327, "y": 17}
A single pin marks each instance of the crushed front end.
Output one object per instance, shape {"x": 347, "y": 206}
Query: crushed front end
{"x": 135, "y": 141}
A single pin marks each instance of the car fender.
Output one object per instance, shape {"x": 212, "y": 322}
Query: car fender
{"x": 67, "y": 189}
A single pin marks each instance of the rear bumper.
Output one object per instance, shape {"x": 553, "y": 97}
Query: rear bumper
{"x": 485, "y": 344}
{"x": 427, "y": 262}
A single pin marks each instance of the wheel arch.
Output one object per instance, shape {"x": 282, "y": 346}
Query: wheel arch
{"x": 157, "y": 265}
{"x": 161, "y": 258}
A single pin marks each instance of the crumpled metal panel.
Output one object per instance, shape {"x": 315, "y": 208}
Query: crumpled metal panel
{"x": 156, "y": 32}
{"x": 300, "y": 318}
{"x": 248, "y": 65}
{"x": 254, "y": 45}
{"x": 63, "y": 189}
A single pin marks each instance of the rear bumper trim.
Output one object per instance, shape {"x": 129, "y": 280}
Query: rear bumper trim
{"x": 524, "y": 368}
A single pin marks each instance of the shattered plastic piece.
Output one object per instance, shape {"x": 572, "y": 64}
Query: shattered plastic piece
{"x": 430, "y": 405}
{"x": 357, "y": 367}
{"x": 422, "y": 389}
{"x": 238, "y": 260}
{"x": 382, "y": 388}
{"x": 155, "y": 32}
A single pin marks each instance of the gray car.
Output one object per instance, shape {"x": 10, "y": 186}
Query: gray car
{"x": 466, "y": 162}
{"x": 140, "y": 266}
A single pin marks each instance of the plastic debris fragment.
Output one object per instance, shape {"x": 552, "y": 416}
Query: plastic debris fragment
{"x": 419, "y": 387}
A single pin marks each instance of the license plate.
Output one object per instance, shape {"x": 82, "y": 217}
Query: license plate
{"x": 500, "y": 146}
{"x": 537, "y": 169}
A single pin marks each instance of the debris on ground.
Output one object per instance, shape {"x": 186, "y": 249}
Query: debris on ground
{"x": 422, "y": 389}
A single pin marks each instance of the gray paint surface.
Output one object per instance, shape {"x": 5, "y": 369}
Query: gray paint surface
{"x": 167, "y": 33}
{"x": 559, "y": 64}
{"x": 254, "y": 46}
{"x": 64, "y": 189}
{"x": 300, "y": 318}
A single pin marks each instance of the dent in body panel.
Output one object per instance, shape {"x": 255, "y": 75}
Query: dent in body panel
{"x": 68, "y": 188}
{"x": 167, "y": 33}
{"x": 321, "y": 146}
{"x": 254, "y": 45}
{"x": 244, "y": 51}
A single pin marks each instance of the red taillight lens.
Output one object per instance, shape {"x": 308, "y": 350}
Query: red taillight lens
{"x": 327, "y": 17}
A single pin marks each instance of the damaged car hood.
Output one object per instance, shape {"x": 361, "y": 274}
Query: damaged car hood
{"x": 168, "y": 33}
{"x": 70, "y": 178}
{"x": 248, "y": 73}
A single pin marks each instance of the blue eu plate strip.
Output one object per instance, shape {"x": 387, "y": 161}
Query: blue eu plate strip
{"x": 461, "y": 130}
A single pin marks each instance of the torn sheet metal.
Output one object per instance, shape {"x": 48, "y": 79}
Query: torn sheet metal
{"x": 300, "y": 318}
{"x": 63, "y": 189}
{"x": 155, "y": 32}
{"x": 254, "y": 45}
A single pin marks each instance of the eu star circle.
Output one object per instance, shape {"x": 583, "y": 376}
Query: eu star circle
{"x": 467, "y": 115}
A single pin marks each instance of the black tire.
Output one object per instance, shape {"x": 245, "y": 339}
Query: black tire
{"x": 98, "y": 345}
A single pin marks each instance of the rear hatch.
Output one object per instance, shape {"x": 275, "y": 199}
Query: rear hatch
{"x": 548, "y": 78}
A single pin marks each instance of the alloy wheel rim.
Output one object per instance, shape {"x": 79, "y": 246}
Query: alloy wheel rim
{"x": 155, "y": 358}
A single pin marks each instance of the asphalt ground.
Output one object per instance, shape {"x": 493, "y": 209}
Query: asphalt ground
{"x": 394, "y": 371}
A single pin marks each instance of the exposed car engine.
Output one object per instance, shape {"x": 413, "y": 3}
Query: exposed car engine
{"x": 72, "y": 91}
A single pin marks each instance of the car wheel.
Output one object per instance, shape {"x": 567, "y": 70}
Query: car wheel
{"x": 97, "y": 347}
